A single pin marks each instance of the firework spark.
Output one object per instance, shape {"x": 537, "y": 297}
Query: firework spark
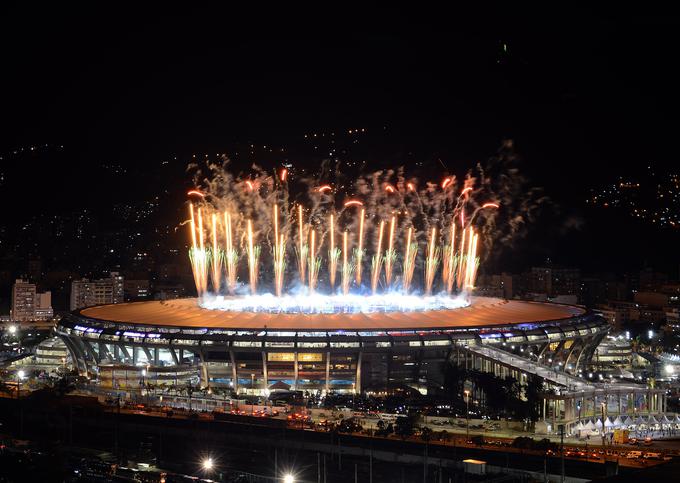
{"x": 410, "y": 254}
{"x": 333, "y": 255}
{"x": 230, "y": 254}
{"x": 376, "y": 261}
{"x": 347, "y": 267}
{"x": 253, "y": 259}
{"x": 431, "y": 262}
{"x": 390, "y": 254}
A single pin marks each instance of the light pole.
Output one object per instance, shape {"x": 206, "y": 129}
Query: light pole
{"x": 20, "y": 376}
{"x": 467, "y": 415}
{"x": 252, "y": 388}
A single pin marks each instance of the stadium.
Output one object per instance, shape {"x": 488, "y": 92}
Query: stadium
{"x": 180, "y": 342}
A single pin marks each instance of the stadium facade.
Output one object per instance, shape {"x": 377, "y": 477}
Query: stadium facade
{"x": 177, "y": 342}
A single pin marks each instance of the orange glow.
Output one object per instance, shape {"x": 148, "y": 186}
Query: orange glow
{"x": 250, "y": 185}
{"x": 410, "y": 186}
{"x": 324, "y": 188}
{"x": 353, "y": 203}
{"x": 446, "y": 182}
{"x": 466, "y": 190}
{"x": 284, "y": 174}
{"x": 195, "y": 192}
{"x": 389, "y": 188}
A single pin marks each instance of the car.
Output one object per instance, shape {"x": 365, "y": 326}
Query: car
{"x": 634, "y": 455}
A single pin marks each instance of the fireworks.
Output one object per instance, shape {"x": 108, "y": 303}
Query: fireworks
{"x": 333, "y": 255}
{"x": 216, "y": 257}
{"x": 314, "y": 263}
{"x": 376, "y": 261}
{"x": 239, "y": 223}
{"x": 347, "y": 268}
{"x": 302, "y": 248}
{"x": 279, "y": 255}
{"x": 431, "y": 262}
{"x": 253, "y": 259}
{"x": 390, "y": 255}
{"x": 410, "y": 255}
{"x": 359, "y": 252}
{"x": 230, "y": 255}
{"x": 449, "y": 261}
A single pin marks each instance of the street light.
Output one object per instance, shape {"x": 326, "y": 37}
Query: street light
{"x": 208, "y": 464}
{"x": 20, "y": 375}
{"x": 288, "y": 478}
{"x": 467, "y": 415}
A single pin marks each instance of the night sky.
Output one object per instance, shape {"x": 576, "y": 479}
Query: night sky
{"x": 586, "y": 98}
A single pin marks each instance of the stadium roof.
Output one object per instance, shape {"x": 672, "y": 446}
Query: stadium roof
{"x": 483, "y": 312}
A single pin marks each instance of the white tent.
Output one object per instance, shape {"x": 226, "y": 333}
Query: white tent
{"x": 640, "y": 420}
{"x": 618, "y": 422}
{"x": 580, "y": 426}
{"x": 598, "y": 424}
{"x": 608, "y": 423}
{"x": 652, "y": 420}
{"x": 628, "y": 421}
{"x": 589, "y": 425}
{"x": 677, "y": 419}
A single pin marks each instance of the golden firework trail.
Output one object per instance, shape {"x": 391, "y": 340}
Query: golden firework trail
{"x": 461, "y": 260}
{"x": 253, "y": 259}
{"x": 359, "y": 252}
{"x": 410, "y": 254}
{"x": 333, "y": 255}
{"x": 471, "y": 261}
{"x": 376, "y": 260}
{"x": 346, "y": 266}
{"x": 390, "y": 254}
{"x": 202, "y": 256}
{"x": 279, "y": 255}
{"x": 314, "y": 263}
{"x": 302, "y": 248}
{"x": 230, "y": 255}
{"x": 197, "y": 255}
{"x": 431, "y": 262}
{"x": 216, "y": 257}
{"x": 449, "y": 261}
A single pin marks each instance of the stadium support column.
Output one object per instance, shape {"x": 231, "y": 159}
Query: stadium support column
{"x": 328, "y": 371}
{"x": 295, "y": 371}
{"x": 205, "y": 377}
{"x": 265, "y": 375}
{"x": 234, "y": 375}
{"x": 358, "y": 373}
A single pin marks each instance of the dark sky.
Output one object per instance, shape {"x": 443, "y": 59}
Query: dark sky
{"x": 585, "y": 96}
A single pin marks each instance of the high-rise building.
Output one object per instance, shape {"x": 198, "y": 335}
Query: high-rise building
{"x": 137, "y": 290}
{"x": 86, "y": 293}
{"x": 555, "y": 281}
{"x": 23, "y": 301}
{"x": 43, "y": 306}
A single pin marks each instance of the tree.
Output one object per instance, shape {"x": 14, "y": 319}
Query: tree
{"x": 405, "y": 426}
{"x": 533, "y": 392}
